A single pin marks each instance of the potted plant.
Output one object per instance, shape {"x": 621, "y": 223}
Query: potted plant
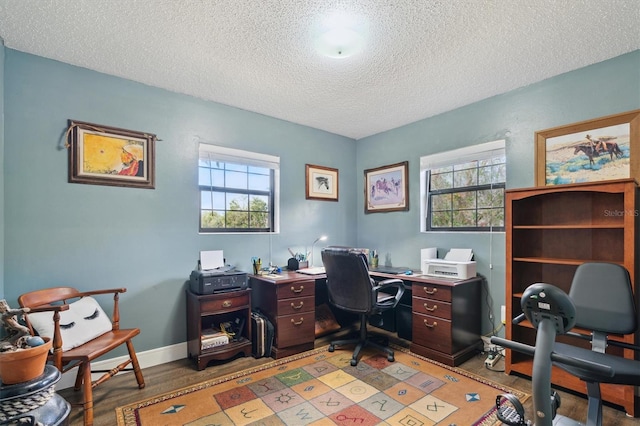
{"x": 22, "y": 356}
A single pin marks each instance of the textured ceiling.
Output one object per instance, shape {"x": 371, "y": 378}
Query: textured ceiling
{"x": 420, "y": 57}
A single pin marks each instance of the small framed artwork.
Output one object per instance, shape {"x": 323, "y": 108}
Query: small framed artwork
{"x": 321, "y": 183}
{"x": 103, "y": 155}
{"x": 604, "y": 148}
{"x": 386, "y": 189}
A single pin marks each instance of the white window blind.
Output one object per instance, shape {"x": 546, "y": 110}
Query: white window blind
{"x": 238, "y": 156}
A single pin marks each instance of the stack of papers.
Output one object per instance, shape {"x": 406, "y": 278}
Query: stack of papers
{"x": 212, "y": 259}
{"x": 459, "y": 255}
{"x": 317, "y": 270}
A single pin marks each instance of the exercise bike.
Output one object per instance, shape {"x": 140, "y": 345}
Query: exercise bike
{"x": 552, "y": 312}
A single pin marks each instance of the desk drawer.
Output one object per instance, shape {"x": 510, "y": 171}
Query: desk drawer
{"x": 297, "y": 289}
{"x": 432, "y": 307}
{"x": 431, "y": 291}
{"x": 295, "y": 329}
{"x": 223, "y": 303}
{"x": 297, "y": 305}
{"x": 432, "y": 332}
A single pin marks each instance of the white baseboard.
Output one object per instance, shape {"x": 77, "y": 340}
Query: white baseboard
{"x": 146, "y": 359}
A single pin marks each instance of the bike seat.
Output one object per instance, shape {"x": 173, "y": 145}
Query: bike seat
{"x": 626, "y": 371}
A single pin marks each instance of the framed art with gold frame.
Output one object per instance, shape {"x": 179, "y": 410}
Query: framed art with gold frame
{"x": 604, "y": 148}
{"x": 104, "y": 155}
{"x": 386, "y": 188}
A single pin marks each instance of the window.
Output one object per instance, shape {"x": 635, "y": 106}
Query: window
{"x": 463, "y": 189}
{"x": 238, "y": 190}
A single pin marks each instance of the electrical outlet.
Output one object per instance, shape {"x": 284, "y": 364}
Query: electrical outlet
{"x": 503, "y": 314}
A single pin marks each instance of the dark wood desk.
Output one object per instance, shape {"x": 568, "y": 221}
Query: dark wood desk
{"x": 445, "y": 315}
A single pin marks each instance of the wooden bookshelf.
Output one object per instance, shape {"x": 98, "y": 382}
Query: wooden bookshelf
{"x": 550, "y": 230}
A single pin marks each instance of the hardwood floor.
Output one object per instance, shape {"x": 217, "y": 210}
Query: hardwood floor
{"x": 122, "y": 390}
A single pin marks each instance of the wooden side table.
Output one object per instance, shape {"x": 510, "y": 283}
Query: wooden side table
{"x": 209, "y": 311}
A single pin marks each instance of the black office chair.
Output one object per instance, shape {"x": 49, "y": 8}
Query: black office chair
{"x": 352, "y": 289}
{"x": 604, "y": 301}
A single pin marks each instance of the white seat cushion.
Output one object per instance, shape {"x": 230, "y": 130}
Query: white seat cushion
{"x": 85, "y": 320}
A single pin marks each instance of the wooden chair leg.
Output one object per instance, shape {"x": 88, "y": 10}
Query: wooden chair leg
{"x": 87, "y": 394}
{"x": 78, "y": 384}
{"x": 136, "y": 366}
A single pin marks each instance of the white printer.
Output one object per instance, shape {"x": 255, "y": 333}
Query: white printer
{"x": 456, "y": 264}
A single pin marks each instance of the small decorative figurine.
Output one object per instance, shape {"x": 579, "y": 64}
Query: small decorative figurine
{"x": 17, "y": 336}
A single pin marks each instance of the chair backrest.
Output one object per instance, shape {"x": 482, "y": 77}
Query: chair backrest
{"x": 603, "y": 298}
{"x": 47, "y": 296}
{"x": 81, "y": 321}
{"x": 348, "y": 281}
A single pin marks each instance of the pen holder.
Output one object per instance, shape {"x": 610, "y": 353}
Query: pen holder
{"x": 293, "y": 264}
{"x": 257, "y": 266}
{"x": 303, "y": 264}
{"x": 374, "y": 262}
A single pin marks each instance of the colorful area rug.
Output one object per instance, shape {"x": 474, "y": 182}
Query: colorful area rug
{"x": 321, "y": 388}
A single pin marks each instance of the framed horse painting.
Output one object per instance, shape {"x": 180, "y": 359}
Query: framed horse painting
{"x": 386, "y": 188}
{"x": 321, "y": 183}
{"x": 604, "y": 148}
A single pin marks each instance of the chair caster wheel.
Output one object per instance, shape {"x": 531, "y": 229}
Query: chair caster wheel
{"x": 390, "y": 358}
{"x": 354, "y": 362}
{"x": 332, "y": 348}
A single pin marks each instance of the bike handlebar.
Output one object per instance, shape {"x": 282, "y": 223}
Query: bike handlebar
{"x": 517, "y": 320}
{"x": 597, "y": 368}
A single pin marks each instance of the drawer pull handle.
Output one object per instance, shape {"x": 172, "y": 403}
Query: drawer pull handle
{"x": 297, "y": 291}
{"x": 435, "y": 323}
{"x": 297, "y": 323}
{"x": 227, "y": 304}
{"x": 430, "y": 309}
{"x": 426, "y": 290}
{"x": 297, "y": 307}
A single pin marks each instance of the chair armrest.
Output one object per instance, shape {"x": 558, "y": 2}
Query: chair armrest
{"x": 98, "y": 292}
{"x": 390, "y": 283}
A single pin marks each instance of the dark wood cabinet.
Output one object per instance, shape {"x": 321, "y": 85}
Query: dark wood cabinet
{"x": 549, "y": 232}
{"x": 289, "y": 303}
{"x": 209, "y": 311}
{"x": 446, "y": 319}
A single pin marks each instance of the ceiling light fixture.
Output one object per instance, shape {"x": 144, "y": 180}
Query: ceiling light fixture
{"x": 340, "y": 43}
{"x": 339, "y": 37}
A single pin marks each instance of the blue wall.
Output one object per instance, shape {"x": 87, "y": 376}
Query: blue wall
{"x": 89, "y": 236}
{"x": 606, "y": 88}
{"x": 56, "y": 233}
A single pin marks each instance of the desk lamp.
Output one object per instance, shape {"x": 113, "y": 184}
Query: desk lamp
{"x": 321, "y": 238}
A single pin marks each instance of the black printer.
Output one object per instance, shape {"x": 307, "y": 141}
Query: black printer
{"x": 217, "y": 281}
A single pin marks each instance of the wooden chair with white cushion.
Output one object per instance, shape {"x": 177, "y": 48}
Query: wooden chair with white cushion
{"x": 81, "y": 332}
